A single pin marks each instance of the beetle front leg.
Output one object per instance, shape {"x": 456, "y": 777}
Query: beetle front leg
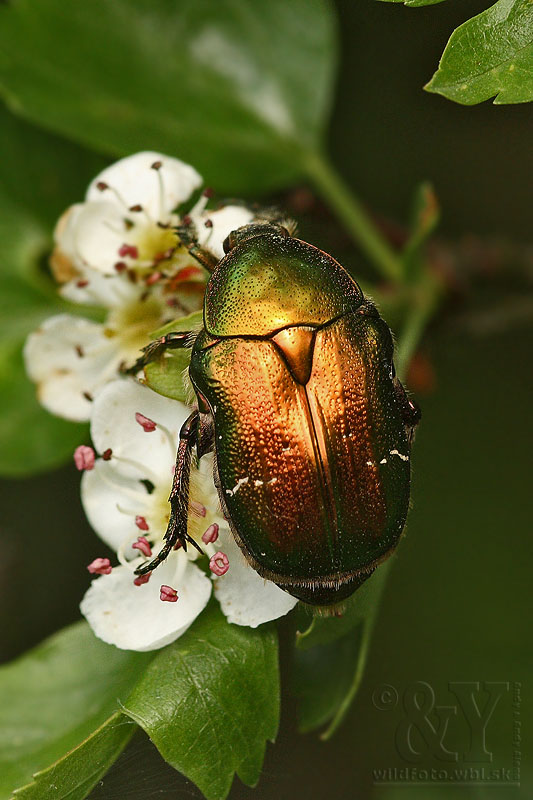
{"x": 179, "y": 497}
{"x": 153, "y": 351}
{"x": 188, "y": 237}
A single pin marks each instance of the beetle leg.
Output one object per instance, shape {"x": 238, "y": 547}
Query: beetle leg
{"x": 172, "y": 341}
{"x": 205, "y": 439}
{"x": 179, "y": 497}
{"x": 188, "y": 238}
{"x": 410, "y": 410}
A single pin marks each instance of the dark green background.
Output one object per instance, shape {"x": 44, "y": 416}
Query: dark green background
{"x": 457, "y": 606}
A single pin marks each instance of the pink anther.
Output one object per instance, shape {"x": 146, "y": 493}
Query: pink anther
{"x": 128, "y": 250}
{"x": 211, "y": 534}
{"x": 140, "y": 579}
{"x": 100, "y": 566}
{"x": 84, "y": 457}
{"x": 167, "y": 594}
{"x": 143, "y": 545}
{"x": 148, "y": 425}
{"x": 219, "y": 563}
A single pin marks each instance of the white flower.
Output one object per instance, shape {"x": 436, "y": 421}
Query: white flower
{"x": 220, "y": 223}
{"x": 119, "y": 250}
{"x": 128, "y": 214}
{"x": 129, "y": 217}
{"x": 124, "y": 493}
{"x": 71, "y": 358}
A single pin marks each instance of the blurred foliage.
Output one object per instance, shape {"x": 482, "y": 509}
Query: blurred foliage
{"x": 41, "y": 177}
{"x": 227, "y": 86}
{"x": 330, "y": 657}
{"x": 414, "y": 3}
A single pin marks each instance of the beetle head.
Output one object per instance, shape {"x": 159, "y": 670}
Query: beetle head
{"x": 251, "y": 231}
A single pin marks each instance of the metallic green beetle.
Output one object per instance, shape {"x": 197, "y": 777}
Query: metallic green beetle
{"x": 311, "y": 429}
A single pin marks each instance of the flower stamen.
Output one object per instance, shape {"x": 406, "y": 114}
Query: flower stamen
{"x": 141, "y": 523}
{"x": 128, "y": 250}
{"x": 157, "y": 167}
{"x": 140, "y": 579}
{"x": 84, "y": 457}
{"x": 100, "y": 566}
{"x": 219, "y": 563}
{"x": 143, "y": 545}
{"x": 148, "y": 425}
{"x": 197, "y": 508}
{"x": 167, "y": 594}
{"x": 211, "y": 534}
{"x": 102, "y": 186}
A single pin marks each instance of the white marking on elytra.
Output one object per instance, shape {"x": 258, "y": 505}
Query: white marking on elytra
{"x": 271, "y": 481}
{"x": 370, "y": 463}
{"x": 400, "y": 455}
{"x": 240, "y": 482}
{"x": 258, "y": 483}
{"x": 383, "y": 461}
{"x": 220, "y": 437}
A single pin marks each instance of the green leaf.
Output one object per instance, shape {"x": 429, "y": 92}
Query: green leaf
{"x": 23, "y": 238}
{"x": 210, "y": 701}
{"x": 23, "y": 308}
{"x": 414, "y": 3}
{"x": 238, "y": 89}
{"x": 491, "y": 55}
{"x": 167, "y": 375}
{"x": 330, "y": 658}
{"x": 191, "y": 322}
{"x": 32, "y": 439}
{"x": 74, "y": 775}
{"x": 43, "y": 175}
{"x": 52, "y": 699}
{"x": 322, "y": 677}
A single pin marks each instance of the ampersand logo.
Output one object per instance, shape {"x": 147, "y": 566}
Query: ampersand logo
{"x": 424, "y": 726}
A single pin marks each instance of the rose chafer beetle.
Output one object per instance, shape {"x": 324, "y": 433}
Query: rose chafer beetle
{"x": 298, "y": 398}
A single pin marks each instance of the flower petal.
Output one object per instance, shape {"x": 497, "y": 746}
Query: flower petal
{"x": 134, "y": 180}
{"x": 92, "y": 287}
{"x": 69, "y": 357}
{"x": 133, "y": 617}
{"x": 97, "y": 236}
{"x": 64, "y": 262}
{"x": 111, "y": 503}
{"x": 244, "y": 596}
{"x": 224, "y": 221}
{"x": 114, "y": 425}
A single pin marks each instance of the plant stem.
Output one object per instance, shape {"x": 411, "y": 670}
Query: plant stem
{"x": 413, "y": 329}
{"x": 354, "y": 217}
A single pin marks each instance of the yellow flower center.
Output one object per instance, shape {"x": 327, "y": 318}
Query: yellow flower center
{"x": 197, "y": 523}
{"x": 152, "y": 241}
{"x": 134, "y": 323}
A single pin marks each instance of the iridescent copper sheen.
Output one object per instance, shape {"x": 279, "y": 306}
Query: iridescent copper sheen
{"x": 311, "y": 447}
